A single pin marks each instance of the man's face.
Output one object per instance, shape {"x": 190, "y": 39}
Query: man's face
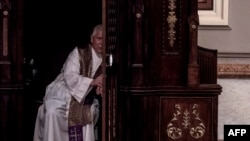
{"x": 96, "y": 41}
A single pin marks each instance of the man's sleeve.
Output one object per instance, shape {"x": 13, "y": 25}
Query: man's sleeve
{"x": 78, "y": 85}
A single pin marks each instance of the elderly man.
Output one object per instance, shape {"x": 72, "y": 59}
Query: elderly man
{"x": 71, "y": 109}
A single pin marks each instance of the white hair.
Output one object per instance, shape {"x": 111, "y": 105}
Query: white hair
{"x": 95, "y": 29}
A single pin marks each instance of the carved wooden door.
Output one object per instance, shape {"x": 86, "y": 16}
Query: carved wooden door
{"x": 109, "y": 100}
{"x": 153, "y": 89}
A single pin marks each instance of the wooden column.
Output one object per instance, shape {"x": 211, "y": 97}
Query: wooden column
{"x": 193, "y": 67}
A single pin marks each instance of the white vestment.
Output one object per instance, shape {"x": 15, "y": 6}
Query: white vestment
{"x": 52, "y": 117}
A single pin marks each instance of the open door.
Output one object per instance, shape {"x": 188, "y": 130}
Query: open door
{"x": 51, "y": 30}
{"x": 109, "y": 99}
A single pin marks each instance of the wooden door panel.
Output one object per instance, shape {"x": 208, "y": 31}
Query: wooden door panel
{"x": 186, "y": 118}
{"x": 144, "y": 118}
{"x": 109, "y": 99}
{"x": 167, "y": 114}
{"x": 155, "y": 42}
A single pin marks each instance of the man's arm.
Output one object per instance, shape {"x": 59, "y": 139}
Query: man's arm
{"x": 78, "y": 85}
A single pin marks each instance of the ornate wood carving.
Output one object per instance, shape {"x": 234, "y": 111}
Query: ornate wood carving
{"x": 171, "y": 22}
{"x": 186, "y": 118}
{"x": 171, "y": 26}
{"x": 158, "y": 63}
{"x": 171, "y": 113}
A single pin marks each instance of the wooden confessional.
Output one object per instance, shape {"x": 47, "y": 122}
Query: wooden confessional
{"x": 160, "y": 85}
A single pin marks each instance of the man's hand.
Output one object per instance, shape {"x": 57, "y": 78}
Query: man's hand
{"x": 99, "y": 90}
{"x": 98, "y": 83}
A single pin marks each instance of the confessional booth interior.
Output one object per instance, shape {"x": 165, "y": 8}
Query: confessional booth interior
{"x": 159, "y": 85}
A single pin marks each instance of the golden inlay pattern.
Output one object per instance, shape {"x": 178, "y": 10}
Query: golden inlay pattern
{"x": 189, "y": 120}
{"x": 171, "y": 22}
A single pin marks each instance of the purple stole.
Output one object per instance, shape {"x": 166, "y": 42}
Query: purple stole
{"x": 80, "y": 113}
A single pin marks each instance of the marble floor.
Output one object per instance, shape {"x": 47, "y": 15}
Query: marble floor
{"x": 234, "y": 103}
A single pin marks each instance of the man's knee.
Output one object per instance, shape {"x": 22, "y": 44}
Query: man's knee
{"x": 54, "y": 108}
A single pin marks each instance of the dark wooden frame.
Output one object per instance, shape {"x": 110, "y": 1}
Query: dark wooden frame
{"x": 205, "y": 4}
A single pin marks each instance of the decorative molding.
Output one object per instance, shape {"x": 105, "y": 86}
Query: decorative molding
{"x": 233, "y": 70}
{"x": 218, "y": 16}
{"x": 233, "y": 55}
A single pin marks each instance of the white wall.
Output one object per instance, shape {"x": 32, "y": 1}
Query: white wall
{"x": 234, "y": 40}
{"x": 234, "y": 101}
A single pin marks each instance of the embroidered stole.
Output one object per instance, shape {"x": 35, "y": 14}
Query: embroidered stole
{"x": 80, "y": 113}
